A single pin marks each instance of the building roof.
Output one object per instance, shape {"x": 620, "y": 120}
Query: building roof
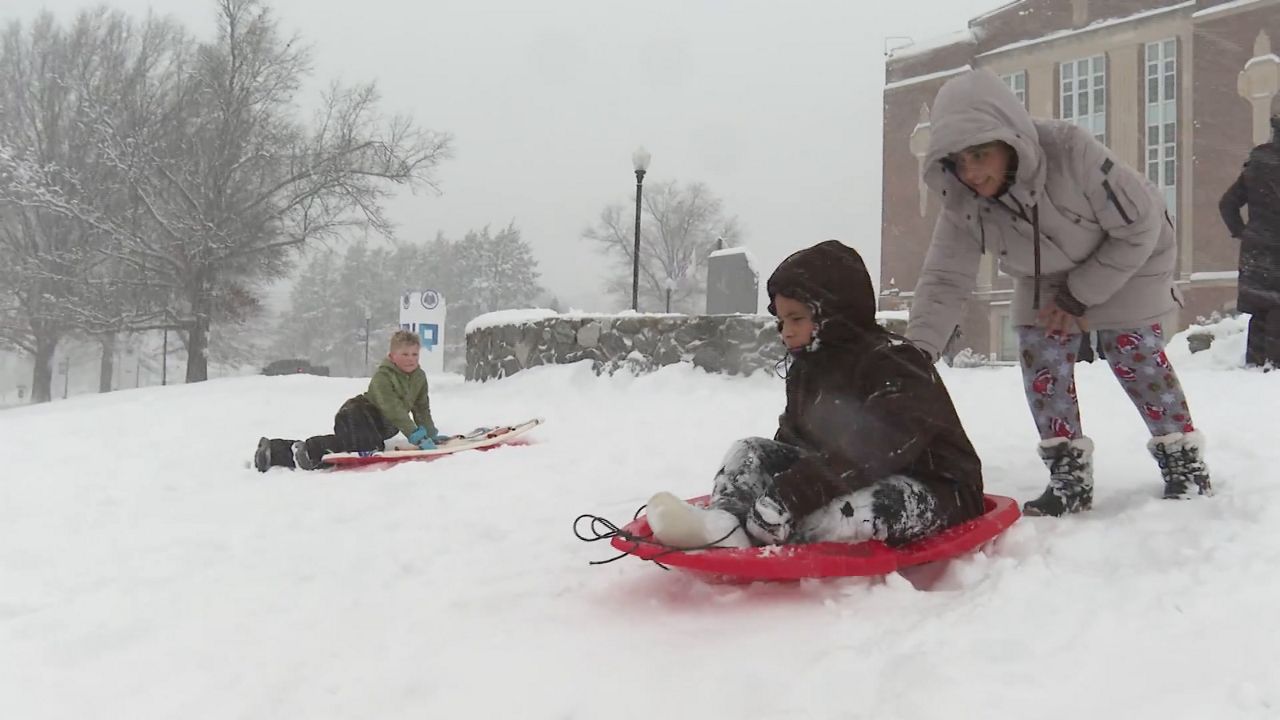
{"x": 934, "y": 43}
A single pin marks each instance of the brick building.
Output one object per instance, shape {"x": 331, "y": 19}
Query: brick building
{"x": 1179, "y": 89}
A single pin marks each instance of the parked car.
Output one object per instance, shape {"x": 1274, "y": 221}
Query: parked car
{"x": 294, "y": 366}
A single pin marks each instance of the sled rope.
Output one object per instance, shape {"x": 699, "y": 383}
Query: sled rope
{"x": 601, "y": 528}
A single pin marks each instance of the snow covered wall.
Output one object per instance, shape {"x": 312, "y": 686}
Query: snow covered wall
{"x": 502, "y": 344}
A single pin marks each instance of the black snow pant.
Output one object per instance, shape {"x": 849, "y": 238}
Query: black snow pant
{"x": 1263, "y": 344}
{"x": 894, "y": 510}
{"x": 357, "y": 427}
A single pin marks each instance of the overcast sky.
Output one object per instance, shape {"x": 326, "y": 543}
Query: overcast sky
{"x": 776, "y": 105}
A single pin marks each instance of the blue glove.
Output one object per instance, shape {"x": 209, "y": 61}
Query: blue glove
{"x": 440, "y": 437}
{"x": 426, "y": 444}
{"x": 417, "y": 435}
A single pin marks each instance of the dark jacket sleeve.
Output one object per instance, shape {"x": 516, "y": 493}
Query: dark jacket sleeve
{"x": 1233, "y": 199}
{"x": 787, "y": 432}
{"x": 868, "y": 440}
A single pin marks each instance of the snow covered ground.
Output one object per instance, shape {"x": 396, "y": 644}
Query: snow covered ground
{"x": 146, "y": 572}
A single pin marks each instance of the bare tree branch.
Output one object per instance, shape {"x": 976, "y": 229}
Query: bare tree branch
{"x": 680, "y": 226}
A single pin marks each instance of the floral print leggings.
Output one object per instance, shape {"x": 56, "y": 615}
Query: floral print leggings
{"x": 1137, "y": 358}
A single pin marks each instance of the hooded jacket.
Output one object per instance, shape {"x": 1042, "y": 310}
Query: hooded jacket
{"x": 864, "y": 403}
{"x": 1072, "y": 215}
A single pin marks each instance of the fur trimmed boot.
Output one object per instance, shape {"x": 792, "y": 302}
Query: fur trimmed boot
{"x": 677, "y": 524}
{"x": 1070, "y": 489}
{"x": 1181, "y": 460}
{"x": 769, "y": 522}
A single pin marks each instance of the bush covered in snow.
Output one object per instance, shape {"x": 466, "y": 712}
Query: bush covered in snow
{"x": 1215, "y": 342}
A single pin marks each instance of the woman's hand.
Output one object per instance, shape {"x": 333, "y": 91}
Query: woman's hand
{"x": 1056, "y": 320}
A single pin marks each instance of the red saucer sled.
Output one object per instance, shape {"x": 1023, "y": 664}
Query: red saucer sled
{"x": 821, "y": 560}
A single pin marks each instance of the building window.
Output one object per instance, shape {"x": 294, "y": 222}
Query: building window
{"x": 1017, "y": 82}
{"x": 1162, "y": 119}
{"x": 1083, "y": 92}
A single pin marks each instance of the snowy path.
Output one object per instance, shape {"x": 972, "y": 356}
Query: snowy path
{"x": 146, "y": 573}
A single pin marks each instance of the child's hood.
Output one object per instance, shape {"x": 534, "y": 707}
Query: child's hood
{"x": 832, "y": 279}
{"x": 976, "y": 108}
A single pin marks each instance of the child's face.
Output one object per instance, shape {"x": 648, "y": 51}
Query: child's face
{"x": 795, "y": 322}
{"x": 405, "y": 357}
{"x": 983, "y": 167}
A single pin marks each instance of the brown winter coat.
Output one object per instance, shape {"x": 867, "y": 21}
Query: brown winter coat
{"x": 1073, "y": 215}
{"x": 865, "y": 403}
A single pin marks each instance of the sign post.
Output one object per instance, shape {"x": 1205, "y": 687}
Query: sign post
{"x": 423, "y": 312}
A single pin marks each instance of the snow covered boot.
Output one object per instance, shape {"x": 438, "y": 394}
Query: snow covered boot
{"x": 768, "y": 522}
{"x": 1181, "y": 460}
{"x": 1070, "y": 489}
{"x": 273, "y": 453}
{"x": 677, "y": 524}
{"x": 302, "y": 458}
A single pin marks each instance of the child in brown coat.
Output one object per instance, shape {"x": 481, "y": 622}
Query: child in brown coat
{"x": 869, "y": 446}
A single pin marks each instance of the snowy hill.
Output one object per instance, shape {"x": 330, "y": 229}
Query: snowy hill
{"x": 145, "y": 572}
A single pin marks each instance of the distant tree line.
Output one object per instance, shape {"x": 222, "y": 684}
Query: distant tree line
{"x": 335, "y": 293}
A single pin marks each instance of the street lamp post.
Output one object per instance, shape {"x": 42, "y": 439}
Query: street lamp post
{"x": 367, "y": 317}
{"x": 164, "y": 359}
{"x": 640, "y": 160}
{"x": 671, "y": 285}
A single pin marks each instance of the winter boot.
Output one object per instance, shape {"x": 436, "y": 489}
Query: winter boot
{"x": 273, "y": 453}
{"x": 768, "y": 522}
{"x": 1181, "y": 460}
{"x": 677, "y": 524}
{"x": 303, "y": 458}
{"x": 1070, "y": 489}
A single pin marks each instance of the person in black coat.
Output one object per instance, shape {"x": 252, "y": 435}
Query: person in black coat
{"x": 1258, "y": 287}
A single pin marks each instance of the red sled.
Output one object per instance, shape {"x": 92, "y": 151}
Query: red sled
{"x": 773, "y": 563}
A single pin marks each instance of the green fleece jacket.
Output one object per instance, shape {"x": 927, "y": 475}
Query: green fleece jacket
{"x": 397, "y": 394}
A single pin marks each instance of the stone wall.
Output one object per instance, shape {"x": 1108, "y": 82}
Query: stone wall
{"x": 731, "y": 344}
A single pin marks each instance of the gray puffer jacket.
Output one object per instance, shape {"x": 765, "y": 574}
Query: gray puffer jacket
{"x": 1073, "y": 215}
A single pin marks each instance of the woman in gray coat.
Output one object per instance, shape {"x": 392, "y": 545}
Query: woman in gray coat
{"x": 1090, "y": 246}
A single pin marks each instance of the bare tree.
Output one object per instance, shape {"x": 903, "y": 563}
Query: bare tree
{"x": 67, "y": 97}
{"x": 48, "y": 79}
{"x": 239, "y": 180}
{"x": 680, "y": 227}
{"x": 214, "y": 180}
{"x": 124, "y": 72}
{"x": 479, "y": 273}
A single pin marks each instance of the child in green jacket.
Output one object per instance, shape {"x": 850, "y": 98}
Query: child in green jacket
{"x": 396, "y": 402}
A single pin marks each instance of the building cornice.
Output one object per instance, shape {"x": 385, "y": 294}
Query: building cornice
{"x": 1235, "y": 7}
{"x": 1099, "y": 26}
